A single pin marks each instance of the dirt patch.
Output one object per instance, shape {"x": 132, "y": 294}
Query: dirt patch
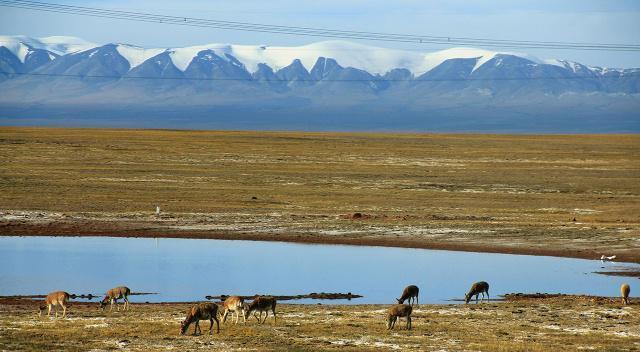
{"x": 561, "y": 297}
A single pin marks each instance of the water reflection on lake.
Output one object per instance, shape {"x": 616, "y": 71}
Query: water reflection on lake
{"x": 186, "y": 270}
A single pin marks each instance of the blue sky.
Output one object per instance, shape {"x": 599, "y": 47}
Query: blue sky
{"x": 616, "y": 21}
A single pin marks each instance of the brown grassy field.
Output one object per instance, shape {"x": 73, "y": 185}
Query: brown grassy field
{"x": 573, "y": 195}
{"x": 555, "y": 324}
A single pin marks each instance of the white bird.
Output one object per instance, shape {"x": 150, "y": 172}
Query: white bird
{"x": 605, "y": 258}
{"x": 157, "y": 210}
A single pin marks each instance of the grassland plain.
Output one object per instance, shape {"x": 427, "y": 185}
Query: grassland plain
{"x": 566, "y": 323}
{"x": 566, "y": 195}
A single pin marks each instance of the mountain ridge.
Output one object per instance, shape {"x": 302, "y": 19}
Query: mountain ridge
{"x": 229, "y": 87}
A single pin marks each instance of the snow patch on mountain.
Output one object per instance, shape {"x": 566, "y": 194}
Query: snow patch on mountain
{"x": 432, "y": 60}
{"x": 374, "y": 60}
{"x": 569, "y": 65}
{"x": 21, "y": 45}
{"x": 182, "y": 57}
{"x": 576, "y": 66}
{"x": 137, "y": 55}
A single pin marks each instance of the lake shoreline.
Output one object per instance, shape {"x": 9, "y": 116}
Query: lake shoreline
{"x": 573, "y": 196}
{"x": 152, "y": 229}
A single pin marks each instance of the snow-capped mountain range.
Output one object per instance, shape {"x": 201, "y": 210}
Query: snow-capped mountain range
{"x": 336, "y": 77}
{"x": 374, "y": 60}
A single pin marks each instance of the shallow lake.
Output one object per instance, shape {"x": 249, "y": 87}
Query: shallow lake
{"x": 188, "y": 270}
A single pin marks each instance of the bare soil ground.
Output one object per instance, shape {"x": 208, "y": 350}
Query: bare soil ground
{"x": 576, "y": 196}
{"x": 565, "y": 323}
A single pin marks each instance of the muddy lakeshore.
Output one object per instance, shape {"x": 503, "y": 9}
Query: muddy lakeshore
{"x": 526, "y": 323}
{"x": 321, "y": 229}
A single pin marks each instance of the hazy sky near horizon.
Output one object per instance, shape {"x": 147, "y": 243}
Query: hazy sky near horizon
{"x": 594, "y": 21}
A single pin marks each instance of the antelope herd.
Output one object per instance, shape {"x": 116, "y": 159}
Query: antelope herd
{"x": 236, "y": 305}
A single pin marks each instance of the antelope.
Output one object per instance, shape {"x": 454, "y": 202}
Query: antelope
{"x": 399, "y": 310}
{"x": 113, "y": 295}
{"x": 476, "y": 290}
{"x": 261, "y": 304}
{"x": 233, "y": 304}
{"x": 202, "y": 311}
{"x": 409, "y": 293}
{"x": 624, "y": 291}
{"x": 54, "y": 300}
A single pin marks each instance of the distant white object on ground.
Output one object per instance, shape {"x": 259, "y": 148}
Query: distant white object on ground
{"x": 605, "y": 258}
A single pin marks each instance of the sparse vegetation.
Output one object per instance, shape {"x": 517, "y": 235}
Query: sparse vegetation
{"x": 564, "y": 323}
{"x": 560, "y": 195}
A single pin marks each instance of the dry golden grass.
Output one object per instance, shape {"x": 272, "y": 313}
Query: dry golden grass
{"x": 543, "y": 325}
{"x": 512, "y": 191}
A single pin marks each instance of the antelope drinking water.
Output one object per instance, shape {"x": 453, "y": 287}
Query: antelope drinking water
{"x": 476, "y": 290}
{"x": 262, "y": 304}
{"x": 399, "y": 310}
{"x": 54, "y": 300}
{"x": 409, "y": 293}
{"x": 233, "y": 304}
{"x": 113, "y": 295}
{"x": 202, "y": 311}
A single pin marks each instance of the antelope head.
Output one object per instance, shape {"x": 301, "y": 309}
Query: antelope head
{"x": 390, "y": 320}
{"x": 184, "y": 325}
{"x": 246, "y": 311}
{"x": 103, "y": 303}
{"x": 467, "y": 297}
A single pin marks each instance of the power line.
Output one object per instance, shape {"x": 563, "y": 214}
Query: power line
{"x": 258, "y": 80}
{"x": 314, "y": 32}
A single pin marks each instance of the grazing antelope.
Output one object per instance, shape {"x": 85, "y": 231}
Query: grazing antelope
{"x": 261, "y": 304}
{"x": 54, "y": 300}
{"x": 476, "y": 290}
{"x": 409, "y": 293}
{"x": 113, "y": 295}
{"x": 202, "y": 311}
{"x": 624, "y": 292}
{"x": 399, "y": 310}
{"x": 233, "y": 304}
